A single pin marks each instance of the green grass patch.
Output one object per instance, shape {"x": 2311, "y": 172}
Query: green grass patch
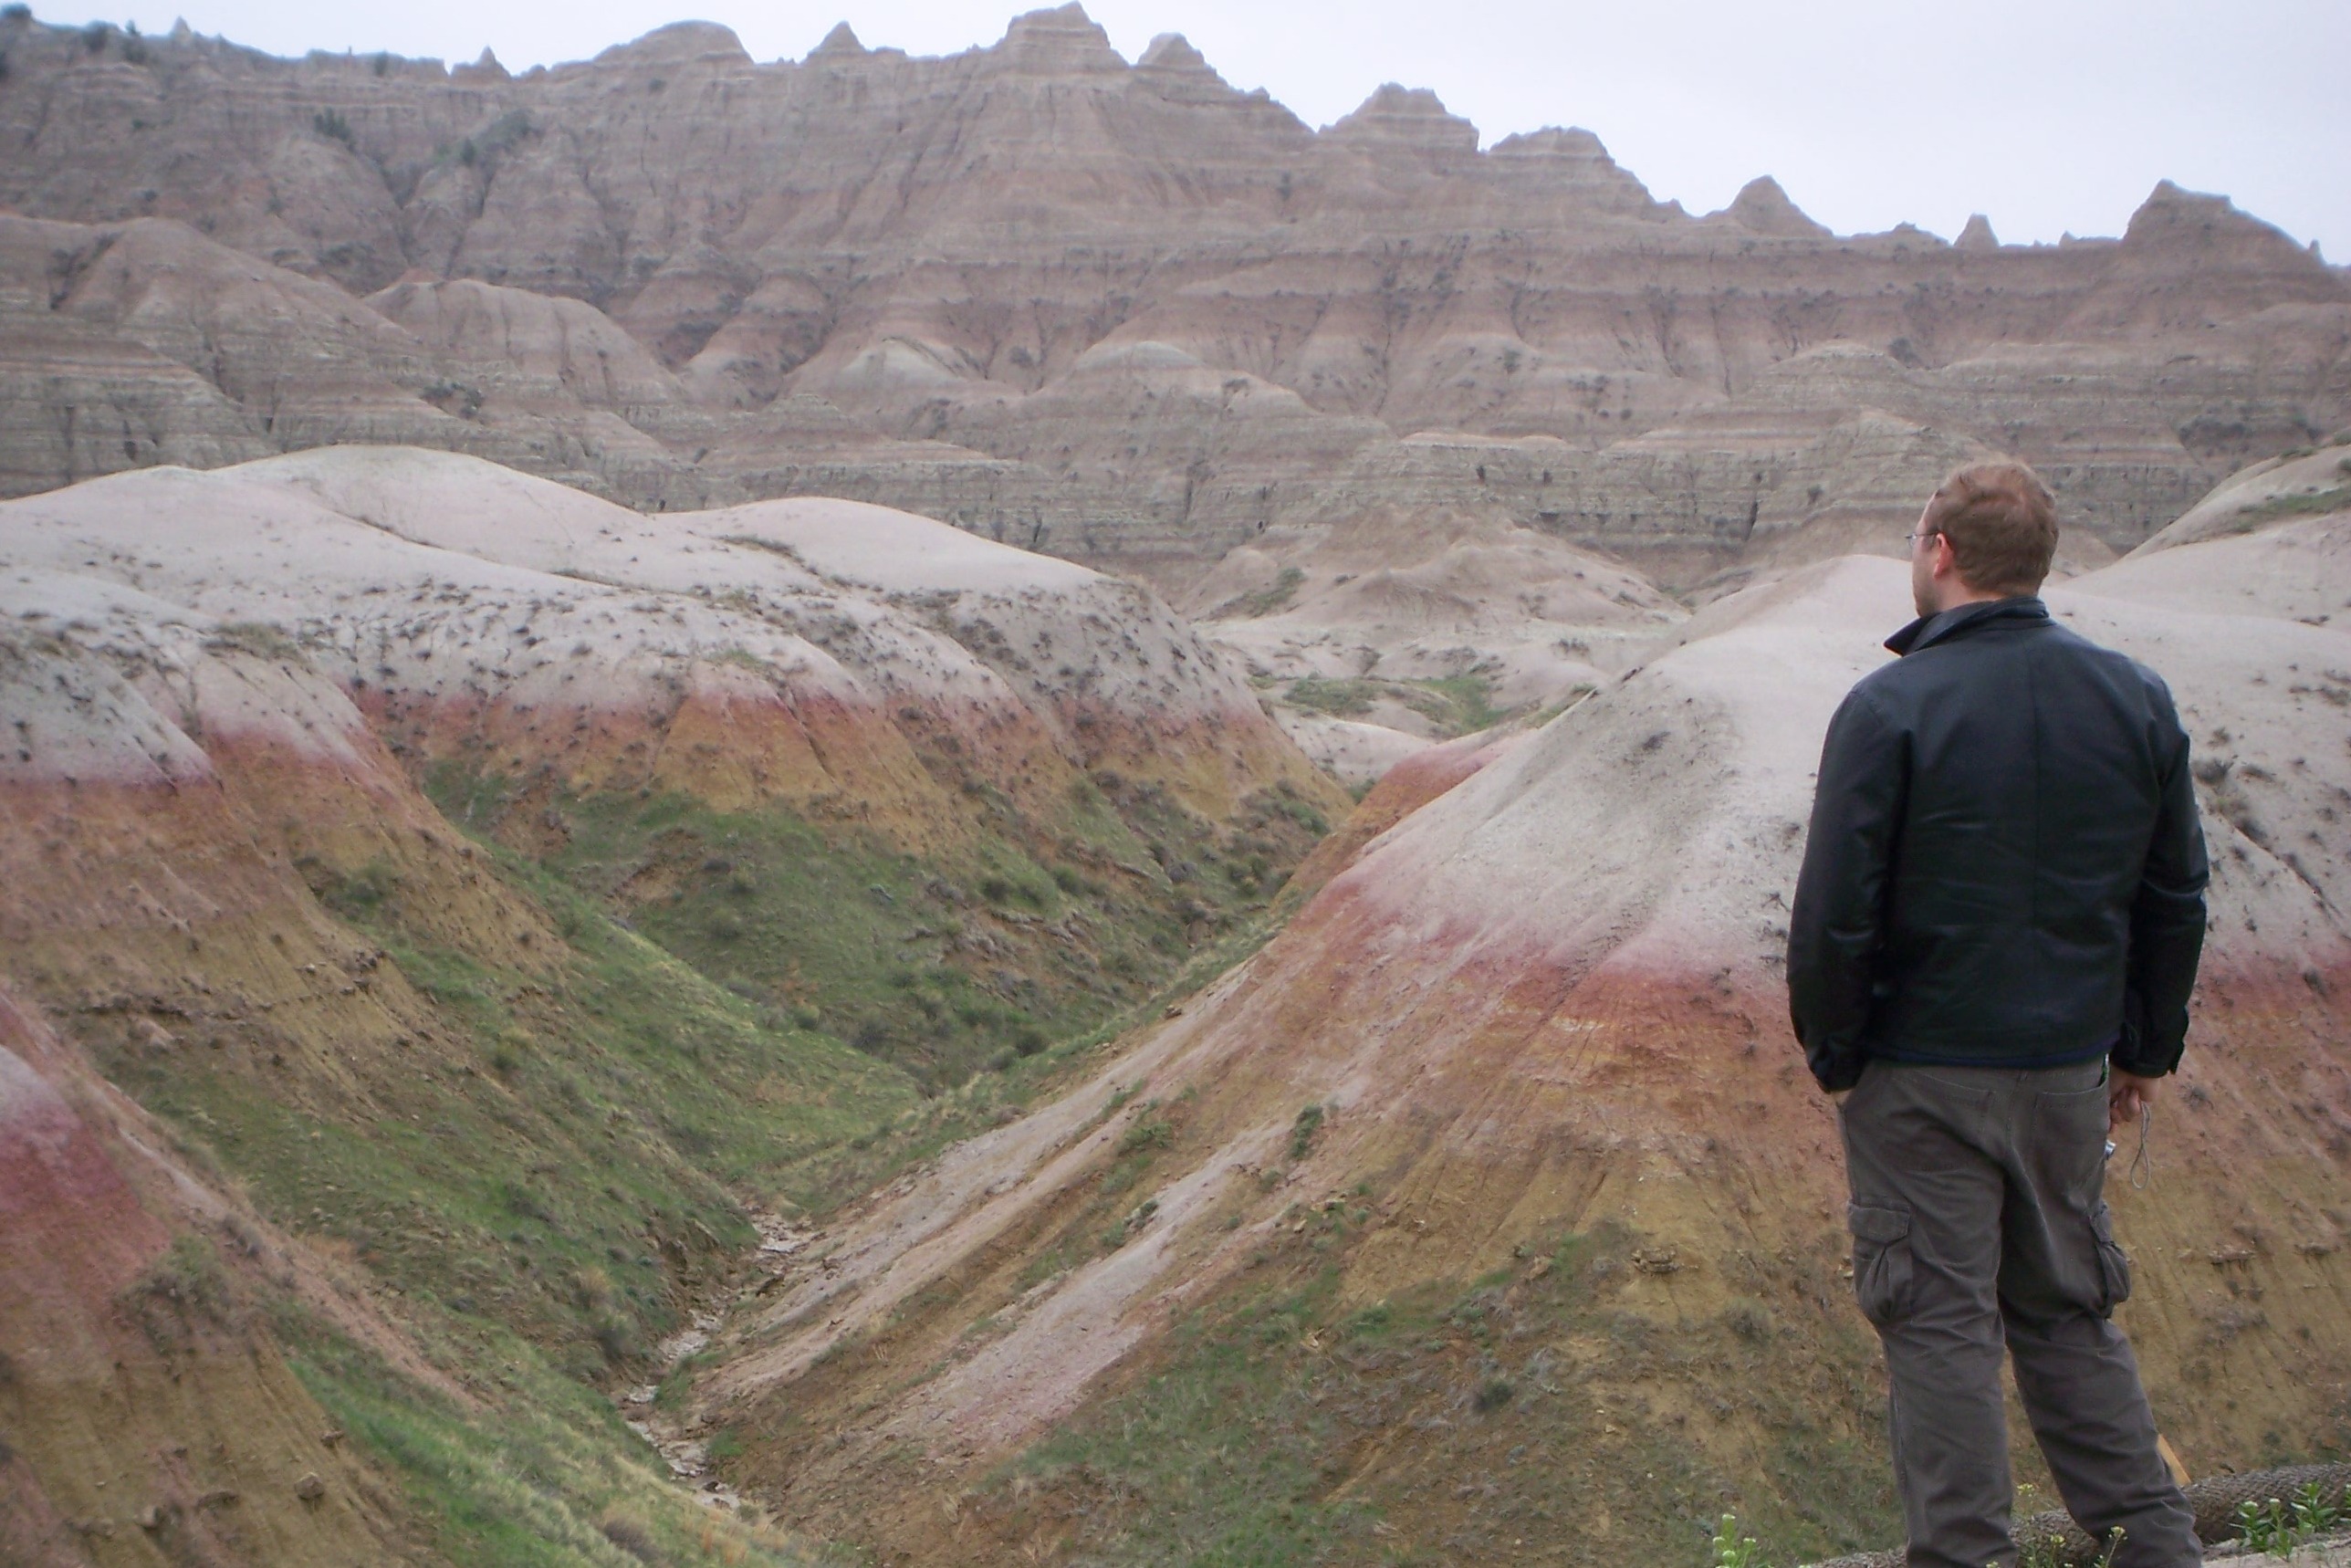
{"x": 560, "y": 1153}
{"x": 1454, "y": 705}
{"x": 944, "y": 968}
{"x": 2280, "y": 508}
{"x": 538, "y": 1473}
{"x": 1529, "y": 1415}
{"x": 1339, "y": 699}
{"x": 1264, "y": 601}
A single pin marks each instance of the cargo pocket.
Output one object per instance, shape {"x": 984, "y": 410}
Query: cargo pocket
{"x": 1882, "y": 1279}
{"x": 2113, "y": 1266}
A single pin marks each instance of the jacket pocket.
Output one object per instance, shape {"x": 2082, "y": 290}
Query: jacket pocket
{"x": 2114, "y": 1264}
{"x": 1882, "y": 1278}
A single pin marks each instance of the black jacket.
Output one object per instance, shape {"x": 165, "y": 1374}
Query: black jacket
{"x": 2005, "y": 868}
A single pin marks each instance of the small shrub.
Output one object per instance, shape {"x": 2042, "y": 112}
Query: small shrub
{"x": 1302, "y": 1131}
{"x": 257, "y": 638}
{"x": 1265, "y": 601}
{"x": 94, "y": 36}
{"x": 330, "y": 124}
{"x": 628, "y": 1534}
{"x": 616, "y": 1336}
{"x": 1151, "y": 1132}
{"x": 185, "y": 1284}
{"x": 359, "y": 892}
{"x": 1494, "y": 1393}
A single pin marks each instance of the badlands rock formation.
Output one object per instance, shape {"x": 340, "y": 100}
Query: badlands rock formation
{"x": 1383, "y": 632}
{"x": 504, "y": 889}
{"x": 866, "y": 671}
{"x": 1116, "y": 312}
{"x": 1494, "y": 1191}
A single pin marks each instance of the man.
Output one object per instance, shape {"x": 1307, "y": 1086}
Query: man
{"x": 1990, "y": 956}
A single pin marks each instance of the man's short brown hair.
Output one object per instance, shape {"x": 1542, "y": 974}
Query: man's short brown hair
{"x": 2002, "y": 524}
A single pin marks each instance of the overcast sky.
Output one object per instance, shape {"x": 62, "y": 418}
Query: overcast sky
{"x": 2047, "y": 115}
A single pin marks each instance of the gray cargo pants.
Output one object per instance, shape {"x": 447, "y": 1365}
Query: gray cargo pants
{"x": 1977, "y": 1217}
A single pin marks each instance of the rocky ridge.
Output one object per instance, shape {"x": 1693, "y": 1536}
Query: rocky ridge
{"x": 1123, "y": 312}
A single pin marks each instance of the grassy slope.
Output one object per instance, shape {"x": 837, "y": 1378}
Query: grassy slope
{"x": 1039, "y": 931}
{"x": 557, "y": 1172}
{"x": 538, "y": 1474}
{"x": 551, "y": 1181}
{"x": 1474, "y": 1422}
{"x": 565, "y": 1158}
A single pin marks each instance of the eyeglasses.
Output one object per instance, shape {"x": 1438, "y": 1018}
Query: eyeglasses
{"x": 1915, "y": 535}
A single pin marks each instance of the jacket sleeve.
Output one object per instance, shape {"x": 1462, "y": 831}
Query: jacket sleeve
{"x": 2167, "y": 919}
{"x": 1838, "y": 921}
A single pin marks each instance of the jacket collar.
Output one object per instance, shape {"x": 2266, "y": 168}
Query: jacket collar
{"x": 1928, "y": 629}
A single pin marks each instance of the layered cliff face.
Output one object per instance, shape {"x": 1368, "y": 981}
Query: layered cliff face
{"x": 1108, "y": 309}
{"x": 1488, "y": 1212}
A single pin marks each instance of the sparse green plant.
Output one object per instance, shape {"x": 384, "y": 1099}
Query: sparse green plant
{"x": 257, "y": 638}
{"x": 330, "y": 124}
{"x": 1341, "y": 699}
{"x": 1303, "y": 1130}
{"x": 2279, "y": 1526}
{"x": 1264, "y": 600}
{"x": 1147, "y": 1134}
{"x": 184, "y": 1286}
{"x": 1732, "y": 1550}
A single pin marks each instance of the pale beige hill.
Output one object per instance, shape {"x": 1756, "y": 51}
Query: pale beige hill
{"x": 2293, "y": 567}
{"x": 148, "y": 341}
{"x": 1550, "y": 1002}
{"x": 789, "y": 651}
{"x": 2297, "y": 485}
{"x": 1392, "y": 618}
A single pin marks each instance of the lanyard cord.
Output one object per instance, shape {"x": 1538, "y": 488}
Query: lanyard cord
{"x": 2142, "y": 1165}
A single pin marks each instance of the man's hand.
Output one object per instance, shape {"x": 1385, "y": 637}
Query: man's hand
{"x": 2127, "y": 1095}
